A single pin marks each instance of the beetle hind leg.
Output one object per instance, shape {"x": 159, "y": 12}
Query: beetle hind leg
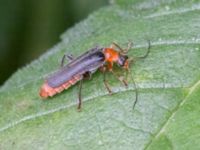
{"x": 79, "y": 95}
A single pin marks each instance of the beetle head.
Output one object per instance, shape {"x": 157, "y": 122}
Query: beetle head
{"x": 123, "y": 61}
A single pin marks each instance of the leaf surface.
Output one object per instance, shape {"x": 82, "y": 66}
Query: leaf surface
{"x": 168, "y": 80}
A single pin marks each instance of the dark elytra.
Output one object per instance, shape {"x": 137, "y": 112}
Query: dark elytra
{"x": 88, "y": 62}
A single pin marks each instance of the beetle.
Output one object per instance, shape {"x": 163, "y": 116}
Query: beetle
{"x": 85, "y": 65}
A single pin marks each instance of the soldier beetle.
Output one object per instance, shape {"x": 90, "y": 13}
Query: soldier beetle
{"x": 85, "y": 65}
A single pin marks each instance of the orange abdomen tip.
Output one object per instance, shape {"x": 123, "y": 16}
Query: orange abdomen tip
{"x": 48, "y": 91}
{"x": 45, "y": 90}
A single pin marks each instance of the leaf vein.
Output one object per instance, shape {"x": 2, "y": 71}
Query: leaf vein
{"x": 177, "y": 11}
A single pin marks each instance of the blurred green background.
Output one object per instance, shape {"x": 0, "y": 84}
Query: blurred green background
{"x": 29, "y": 27}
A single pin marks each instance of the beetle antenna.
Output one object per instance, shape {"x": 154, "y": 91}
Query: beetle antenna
{"x": 136, "y": 89}
{"x": 147, "y": 53}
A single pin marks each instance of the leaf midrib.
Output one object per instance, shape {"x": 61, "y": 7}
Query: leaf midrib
{"x": 162, "y": 129}
{"x": 41, "y": 114}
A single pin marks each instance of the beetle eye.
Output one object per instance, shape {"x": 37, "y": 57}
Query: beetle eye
{"x": 122, "y": 59}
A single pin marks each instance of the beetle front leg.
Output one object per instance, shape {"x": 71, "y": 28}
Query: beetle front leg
{"x": 121, "y": 50}
{"x": 120, "y": 78}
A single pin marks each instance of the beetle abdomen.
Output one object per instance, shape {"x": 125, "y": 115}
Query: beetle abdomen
{"x": 47, "y": 91}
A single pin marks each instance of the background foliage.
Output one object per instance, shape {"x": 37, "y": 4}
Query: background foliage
{"x": 167, "y": 113}
{"x": 28, "y": 28}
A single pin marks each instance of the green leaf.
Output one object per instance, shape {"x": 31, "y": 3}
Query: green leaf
{"x": 168, "y": 80}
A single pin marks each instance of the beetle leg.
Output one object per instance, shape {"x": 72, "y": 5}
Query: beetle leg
{"x": 120, "y": 78}
{"x": 135, "y": 85}
{"x": 130, "y": 45}
{"x": 86, "y": 75}
{"x": 115, "y": 45}
{"x": 103, "y": 69}
{"x": 79, "y": 95}
{"x": 124, "y": 51}
{"x": 106, "y": 83}
{"x": 147, "y": 53}
{"x": 110, "y": 66}
{"x": 68, "y": 57}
